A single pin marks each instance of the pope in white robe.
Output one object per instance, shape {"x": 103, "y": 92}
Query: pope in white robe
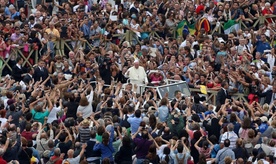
{"x": 137, "y": 74}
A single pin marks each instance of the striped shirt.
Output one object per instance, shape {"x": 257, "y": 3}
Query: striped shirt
{"x": 84, "y": 133}
{"x": 232, "y": 136}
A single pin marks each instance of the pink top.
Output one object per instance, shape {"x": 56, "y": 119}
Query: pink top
{"x": 191, "y": 133}
{"x": 206, "y": 152}
{"x": 155, "y": 79}
{"x": 8, "y": 50}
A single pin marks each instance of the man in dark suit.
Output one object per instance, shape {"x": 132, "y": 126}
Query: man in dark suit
{"x": 222, "y": 94}
{"x": 40, "y": 72}
{"x": 29, "y": 76}
{"x": 135, "y": 8}
{"x": 177, "y": 98}
{"x": 269, "y": 95}
{"x": 17, "y": 70}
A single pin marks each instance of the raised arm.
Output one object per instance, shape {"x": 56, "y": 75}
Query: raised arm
{"x": 83, "y": 147}
{"x": 7, "y": 142}
{"x": 50, "y": 104}
{"x": 34, "y": 103}
{"x": 135, "y": 134}
{"x": 66, "y": 84}
{"x": 69, "y": 134}
{"x": 51, "y": 132}
{"x": 196, "y": 144}
{"x": 211, "y": 144}
{"x": 57, "y": 136}
{"x": 91, "y": 94}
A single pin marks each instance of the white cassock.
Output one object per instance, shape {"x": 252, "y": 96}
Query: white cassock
{"x": 137, "y": 76}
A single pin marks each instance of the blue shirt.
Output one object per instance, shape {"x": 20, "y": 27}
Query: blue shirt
{"x": 163, "y": 113}
{"x": 14, "y": 15}
{"x": 180, "y": 156}
{"x": 261, "y": 46}
{"x": 108, "y": 150}
{"x": 7, "y": 11}
{"x": 187, "y": 79}
{"x": 223, "y": 153}
{"x": 239, "y": 12}
{"x": 215, "y": 150}
{"x": 85, "y": 29}
{"x": 134, "y": 123}
{"x": 35, "y": 153}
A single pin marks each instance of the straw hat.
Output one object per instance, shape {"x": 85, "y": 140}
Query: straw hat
{"x": 85, "y": 122}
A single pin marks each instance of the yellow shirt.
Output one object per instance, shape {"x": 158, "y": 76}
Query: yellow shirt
{"x": 54, "y": 34}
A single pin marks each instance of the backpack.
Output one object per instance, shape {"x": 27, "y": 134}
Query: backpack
{"x": 248, "y": 147}
{"x": 180, "y": 161}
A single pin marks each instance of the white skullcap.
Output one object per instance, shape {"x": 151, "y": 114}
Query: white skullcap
{"x": 267, "y": 4}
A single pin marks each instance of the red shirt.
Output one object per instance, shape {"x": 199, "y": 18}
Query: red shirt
{"x": 27, "y": 135}
{"x": 265, "y": 12}
{"x": 2, "y": 161}
{"x": 59, "y": 161}
{"x": 6, "y": 30}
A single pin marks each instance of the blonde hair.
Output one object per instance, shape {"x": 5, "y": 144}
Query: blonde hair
{"x": 266, "y": 107}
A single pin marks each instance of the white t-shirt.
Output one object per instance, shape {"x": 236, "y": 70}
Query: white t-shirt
{"x": 5, "y": 100}
{"x": 3, "y": 121}
{"x": 160, "y": 150}
{"x": 135, "y": 27}
{"x": 271, "y": 61}
{"x": 264, "y": 161}
{"x": 53, "y": 114}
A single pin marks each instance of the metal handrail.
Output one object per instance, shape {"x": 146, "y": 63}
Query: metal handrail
{"x": 15, "y": 52}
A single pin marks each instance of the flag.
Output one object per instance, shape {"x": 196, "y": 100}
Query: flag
{"x": 230, "y": 26}
{"x": 185, "y": 27}
{"x": 203, "y": 89}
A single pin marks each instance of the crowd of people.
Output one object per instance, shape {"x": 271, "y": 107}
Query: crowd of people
{"x": 99, "y": 102}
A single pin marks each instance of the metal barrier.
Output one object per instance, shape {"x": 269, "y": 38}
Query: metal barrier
{"x": 61, "y": 44}
{"x": 212, "y": 95}
{"x": 14, "y": 53}
{"x": 258, "y": 21}
{"x": 129, "y": 35}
